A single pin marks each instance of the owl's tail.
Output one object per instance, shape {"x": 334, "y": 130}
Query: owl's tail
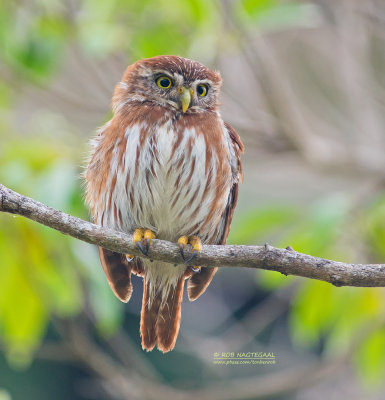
{"x": 160, "y": 317}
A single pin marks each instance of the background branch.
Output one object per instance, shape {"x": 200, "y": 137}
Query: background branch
{"x": 287, "y": 261}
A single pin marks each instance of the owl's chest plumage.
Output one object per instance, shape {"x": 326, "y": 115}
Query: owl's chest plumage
{"x": 170, "y": 176}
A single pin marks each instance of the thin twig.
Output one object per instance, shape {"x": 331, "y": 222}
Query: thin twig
{"x": 287, "y": 261}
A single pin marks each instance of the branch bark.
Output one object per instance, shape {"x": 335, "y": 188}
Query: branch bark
{"x": 285, "y": 261}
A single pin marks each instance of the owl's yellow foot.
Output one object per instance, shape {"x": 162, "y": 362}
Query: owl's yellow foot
{"x": 196, "y": 246}
{"x": 143, "y": 238}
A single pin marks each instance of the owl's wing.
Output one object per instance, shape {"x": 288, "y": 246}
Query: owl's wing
{"x": 237, "y": 171}
{"x": 118, "y": 272}
{"x": 116, "y": 267}
{"x": 198, "y": 283}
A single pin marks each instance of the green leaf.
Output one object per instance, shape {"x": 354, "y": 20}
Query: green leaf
{"x": 258, "y": 224}
{"x": 107, "y": 309}
{"x": 23, "y": 317}
{"x": 31, "y": 46}
{"x": 272, "y": 280}
{"x": 372, "y": 225}
{"x": 313, "y": 312}
{"x": 274, "y": 14}
{"x": 370, "y": 360}
{"x": 255, "y": 8}
{"x": 357, "y": 309}
{"x": 317, "y": 232}
{"x": 38, "y": 275}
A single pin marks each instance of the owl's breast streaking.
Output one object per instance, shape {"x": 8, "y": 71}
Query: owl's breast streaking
{"x": 169, "y": 177}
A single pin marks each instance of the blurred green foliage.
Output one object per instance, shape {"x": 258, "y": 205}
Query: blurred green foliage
{"x": 343, "y": 319}
{"x": 272, "y": 14}
{"x": 42, "y": 273}
{"x": 33, "y": 38}
{"x": 37, "y": 273}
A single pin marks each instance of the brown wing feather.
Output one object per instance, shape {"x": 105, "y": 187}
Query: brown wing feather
{"x": 239, "y": 148}
{"x": 118, "y": 272}
{"x": 198, "y": 283}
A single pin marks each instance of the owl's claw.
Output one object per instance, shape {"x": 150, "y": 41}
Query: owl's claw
{"x": 181, "y": 252}
{"x": 142, "y": 249}
{"x": 143, "y": 238}
{"x": 182, "y": 241}
{"x": 192, "y": 256}
{"x": 195, "y": 243}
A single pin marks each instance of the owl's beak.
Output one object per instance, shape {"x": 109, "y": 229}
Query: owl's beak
{"x": 185, "y": 98}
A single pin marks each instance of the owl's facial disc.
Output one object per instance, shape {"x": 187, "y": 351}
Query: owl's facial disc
{"x": 185, "y": 96}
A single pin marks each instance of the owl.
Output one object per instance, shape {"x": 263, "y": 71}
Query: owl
{"x": 165, "y": 166}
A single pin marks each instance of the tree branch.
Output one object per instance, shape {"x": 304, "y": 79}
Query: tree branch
{"x": 286, "y": 261}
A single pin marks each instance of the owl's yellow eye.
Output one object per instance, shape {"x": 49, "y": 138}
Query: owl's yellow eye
{"x": 202, "y": 90}
{"x": 164, "y": 82}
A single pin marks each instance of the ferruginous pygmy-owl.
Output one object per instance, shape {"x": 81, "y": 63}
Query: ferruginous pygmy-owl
{"x": 165, "y": 166}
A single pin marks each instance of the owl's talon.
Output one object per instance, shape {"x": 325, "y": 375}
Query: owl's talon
{"x": 141, "y": 248}
{"x": 143, "y": 238}
{"x": 192, "y": 256}
{"x": 182, "y": 241}
{"x": 195, "y": 243}
{"x": 147, "y": 246}
{"x": 181, "y": 250}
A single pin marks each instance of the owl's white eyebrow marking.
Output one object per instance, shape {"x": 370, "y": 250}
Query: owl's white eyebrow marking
{"x": 207, "y": 81}
{"x": 178, "y": 78}
{"x": 159, "y": 72}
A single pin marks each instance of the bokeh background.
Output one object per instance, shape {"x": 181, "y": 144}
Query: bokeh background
{"x": 304, "y": 85}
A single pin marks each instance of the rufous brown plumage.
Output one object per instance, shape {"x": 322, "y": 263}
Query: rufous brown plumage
{"x": 165, "y": 166}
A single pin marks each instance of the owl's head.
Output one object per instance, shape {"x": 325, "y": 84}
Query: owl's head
{"x": 176, "y": 83}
